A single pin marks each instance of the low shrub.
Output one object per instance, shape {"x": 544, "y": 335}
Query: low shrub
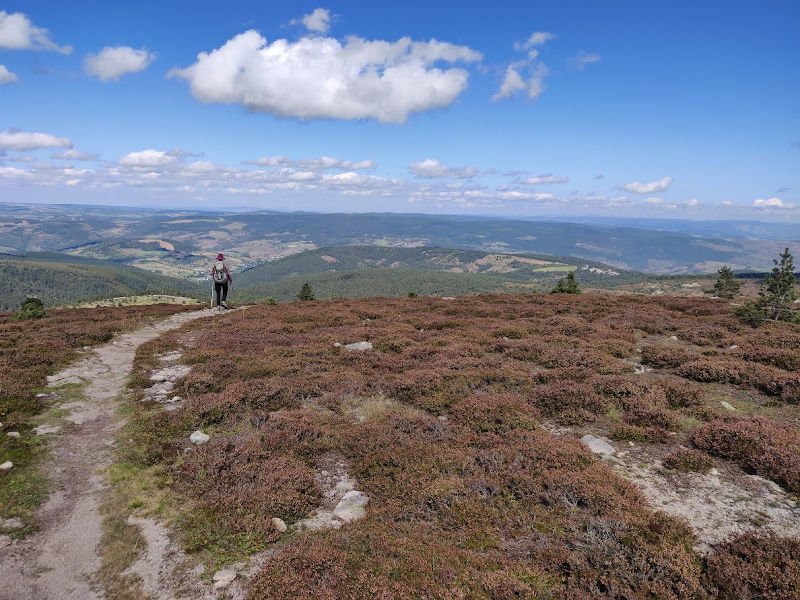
{"x": 665, "y": 357}
{"x": 688, "y": 460}
{"x": 762, "y": 446}
{"x": 753, "y": 567}
{"x": 635, "y": 433}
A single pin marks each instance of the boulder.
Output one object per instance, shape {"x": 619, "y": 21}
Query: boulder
{"x": 223, "y": 578}
{"x": 198, "y": 438}
{"x": 597, "y": 445}
{"x": 6, "y": 466}
{"x": 13, "y": 434}
{"x": 727, "y": 406}
{"x": 358, "y": 346}
{"x": 351, "y": 506}
{"x": 279, "y": 524}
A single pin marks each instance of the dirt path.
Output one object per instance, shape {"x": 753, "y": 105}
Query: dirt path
{"x": 57, "y": 562}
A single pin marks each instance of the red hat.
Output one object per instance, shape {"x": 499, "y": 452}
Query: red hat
{"x": 220, "y": 256}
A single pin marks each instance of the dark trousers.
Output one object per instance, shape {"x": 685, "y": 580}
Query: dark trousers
{"x": 221, "y": 287}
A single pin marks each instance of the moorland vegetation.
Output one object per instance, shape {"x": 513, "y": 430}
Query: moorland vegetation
{"x": 446, "y": 425}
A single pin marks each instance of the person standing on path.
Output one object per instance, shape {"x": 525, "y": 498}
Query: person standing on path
{"x": 222, "y": 277}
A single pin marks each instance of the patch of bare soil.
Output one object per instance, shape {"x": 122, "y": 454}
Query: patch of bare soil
{"x": 57, "y": 562}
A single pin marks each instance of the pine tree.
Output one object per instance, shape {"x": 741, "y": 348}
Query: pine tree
{"x": 777, "y": 290}
{"x": 306, "y": 293}
{"x": 726, "y": 286}
{"x": 567, "y": 285}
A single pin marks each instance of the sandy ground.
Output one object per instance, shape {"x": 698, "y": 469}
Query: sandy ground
{"x": 57, "y": 562}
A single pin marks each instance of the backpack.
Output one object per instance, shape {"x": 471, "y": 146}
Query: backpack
{"x": 218, "y": 272}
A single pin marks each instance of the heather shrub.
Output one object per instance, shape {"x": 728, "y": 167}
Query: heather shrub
{"x": 644, "y": 417}
{"x": 688, "y": 460}
{"x": 750, "y": 567}
{"x": 665, "y": 357}
{"x": 762, "y": 446}
{"x": 571, "y": 403}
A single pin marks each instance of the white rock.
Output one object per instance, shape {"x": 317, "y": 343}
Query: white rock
{"x": 358, "y": 346}
{"x": 223, "y": 578}
{"x": 45, "y": 429}
{"x": 727, "y": 406}
{"x": 279, "y": 524}
{"x": 713, "y": 471}
{"x": 12, "y": 523}
{"x": 42, "y": 395}
{"x": 6, "y": 466}
{"x": 674, "y": 338}
{"x": 337, "y": 345}
{"x": 448, "y": 298}
{"x": 175, "y": 399}
{"x": 4, "y": 541}
{"x": 734, "y": 347}
{"x": 597, "y": 445}
{"x": 13, "y": 434}
{"x": 351, "y": 506}
{"x": 198, "y": 438}
{"x": 157, "y": 377}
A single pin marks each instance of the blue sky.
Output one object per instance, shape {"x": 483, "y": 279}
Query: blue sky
{"x": 664, "y": 109}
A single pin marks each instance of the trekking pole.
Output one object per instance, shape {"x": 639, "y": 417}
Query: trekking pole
{"x": 212, "y": 297}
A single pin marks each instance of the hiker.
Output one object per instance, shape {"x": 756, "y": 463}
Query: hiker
{"x": 222, "y": 277}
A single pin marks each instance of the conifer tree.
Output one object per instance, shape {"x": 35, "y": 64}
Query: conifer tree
{"x": 305, "y": 292}
{"x": 726, "y": 285}
{"x": 777, "y": 290}
{"x": 567, "y": 285}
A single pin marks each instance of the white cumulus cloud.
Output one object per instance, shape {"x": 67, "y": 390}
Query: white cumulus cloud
{"x": 148, "y": 159}
{"x": 537, "y": 38}
{"x": 321, "y": 78}
{"x": 546, "y": 178}
{"x": 28, "y": 140}
{"x": 6, "y": 76}
{"x": 313, "y": 164}
{"x": 772, "y": 204}
{"x": 111, "y": 63}
{"x": 430, "y": 168}
{"x": 17, "y": 32}
{"x": 652, "y": 187}
{"x": 319, "y": 20}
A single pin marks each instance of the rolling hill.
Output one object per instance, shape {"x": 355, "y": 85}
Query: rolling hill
{"x": 60, "y": 279}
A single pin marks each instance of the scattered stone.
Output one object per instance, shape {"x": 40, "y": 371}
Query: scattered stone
{"x": 351, "y": 506}
{"x": 55, "y": 381}
{"x": 734, "y": 347}
{"x": 638, "y": 369}
{"x": 279, "y": 525}
{"x": 42, "y": 395}
{"x": 175, "y": 399}
{"x": 713, "y": 471}
{"x": 6, "y": 466}
{"x": 674, "y": 338}
{"x": 323, "y": 473}
{"x": 12, "y": 523}
{"x": 198, "y": 438}
{"x": 13, "y": 434}
{"x": 337, "y": 345}
{"x": 727, "y": 406}
{"x": 448, "y": 298}
{"x": 223, "y": 578}
{"x": 597, "y": 445}
{"x": 443, "y": 418}
{"x": 45, "y": 429}
{"x": 157, "y": 377}
{"x": 4, "y": 541}
{"x": 358, "y": 346}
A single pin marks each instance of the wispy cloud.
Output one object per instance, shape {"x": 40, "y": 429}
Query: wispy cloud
{"x": 6, "y": 76}
{"x": 312, "y": 164}
{"x": 652, "y": 187}
{"x": 25, "y": 140}
{"x": 546, "y": 178}
{"x": 580, "y": 60}
{"x": 526, "y": 74}
{"x": 430, "y": 168}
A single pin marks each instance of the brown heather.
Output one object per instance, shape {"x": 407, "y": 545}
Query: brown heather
{"x": 469, "y": 496}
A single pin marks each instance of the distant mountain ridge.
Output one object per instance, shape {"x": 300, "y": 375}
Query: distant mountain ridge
{"x": 180, "y": 242}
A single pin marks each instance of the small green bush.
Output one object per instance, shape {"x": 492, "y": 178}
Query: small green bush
{"x": 31, "y": 308}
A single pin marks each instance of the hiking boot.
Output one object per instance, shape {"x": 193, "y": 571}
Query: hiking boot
{"x": 224, "y": 304}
